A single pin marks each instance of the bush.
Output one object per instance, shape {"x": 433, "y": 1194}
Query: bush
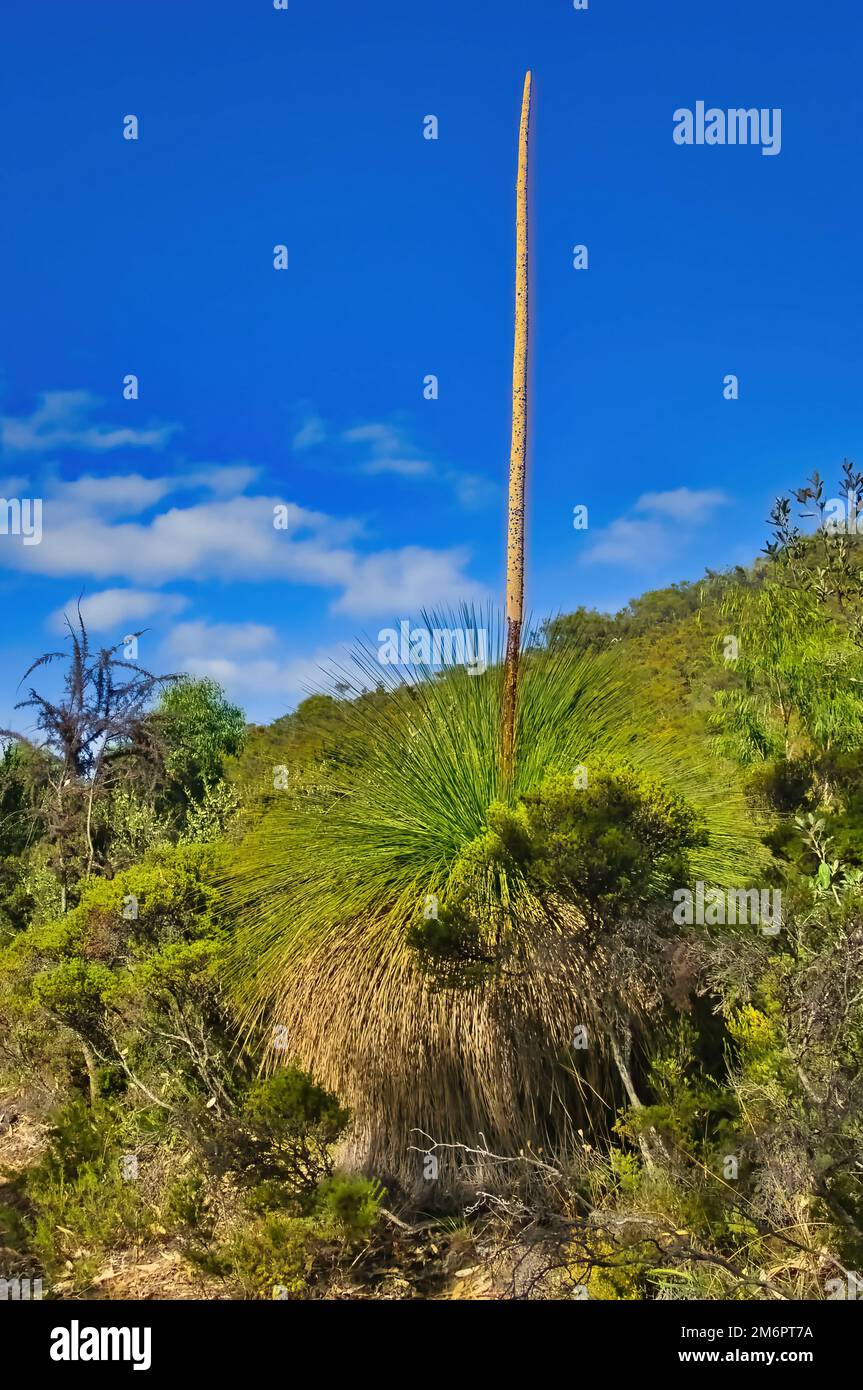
{"x": 350, "y": 1204}
{"x": 606, "y": 849}
{"x": 81, "y": 1203}
{"x": 274, "y": 1257}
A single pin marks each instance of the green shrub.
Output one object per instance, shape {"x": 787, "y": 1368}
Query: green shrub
{"x": 272, "y": 1254}
{"x": 81, "y": 1204}
{"x": 608, "y": 848}
{"x": 185, "y": 1205}
{"x": 350, "y": 1203}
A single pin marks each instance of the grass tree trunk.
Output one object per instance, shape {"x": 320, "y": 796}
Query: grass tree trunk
{"x": 517, "y": 458}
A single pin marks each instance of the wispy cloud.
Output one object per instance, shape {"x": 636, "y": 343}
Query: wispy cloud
{"x": 311, "y": 432}
{"x": 683, "y": 503}
{"x": 472, "y": 491}
{"x": 223, "y": 480}
{"x": 390, "y": 451}
{"x": 384, "y": 447}
{"x": 671, "y": 519}
{"x": 62, "y": 421}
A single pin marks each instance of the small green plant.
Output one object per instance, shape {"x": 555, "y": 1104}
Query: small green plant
{"x": 831, "y": 878}
{"x": 350, "y": 1204}
{"x": 185, "y": 1206}
{"x": 81, "y": 1202}
{"x": 273, "y": 1257}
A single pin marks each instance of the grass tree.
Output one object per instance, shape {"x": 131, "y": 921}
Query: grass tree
{"x": 422, "y": 841}
{"x": 433, "y": 929}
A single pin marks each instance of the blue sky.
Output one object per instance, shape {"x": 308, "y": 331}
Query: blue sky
{"x": 256, "y": 387}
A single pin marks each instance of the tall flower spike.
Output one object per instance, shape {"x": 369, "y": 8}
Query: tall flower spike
{"x": 517, "y": 457}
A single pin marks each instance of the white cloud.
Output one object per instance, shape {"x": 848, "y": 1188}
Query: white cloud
{"x": 92, "y": 528}
{"x": 222, "y": 479}
{"x": 117, "y": 609}
{"x": 391, "y": 463}
{"x": 120, "y": 495}
{"x": 472, "y": 490}
{"x": 387, "y": 449}
{"x": 251, "y": 662}
{"x": 202, "y": 640}
{"x": 391, "y": 451}
{"x": 382, "y": 436}
{"x": 231, "y": 539}
{"x": 628, "y": 542}
{"x": 672, "y": 520}
{"x": 408, "y": 580}
{"x": 682, "y": 503}
{"x": 61, "y": 421}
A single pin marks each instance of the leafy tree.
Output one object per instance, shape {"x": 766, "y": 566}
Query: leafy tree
{"x": 127, "y": 975}
{"x": 201, "y": 729}
{"x": 585, "y": 628}
{"x": 797, "y": 697}
{"x": 23, "y": 774}
{"x": 825, "y": 563}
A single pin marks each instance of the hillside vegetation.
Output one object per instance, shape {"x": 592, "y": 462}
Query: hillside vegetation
{"x": 333, "y": 1008}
